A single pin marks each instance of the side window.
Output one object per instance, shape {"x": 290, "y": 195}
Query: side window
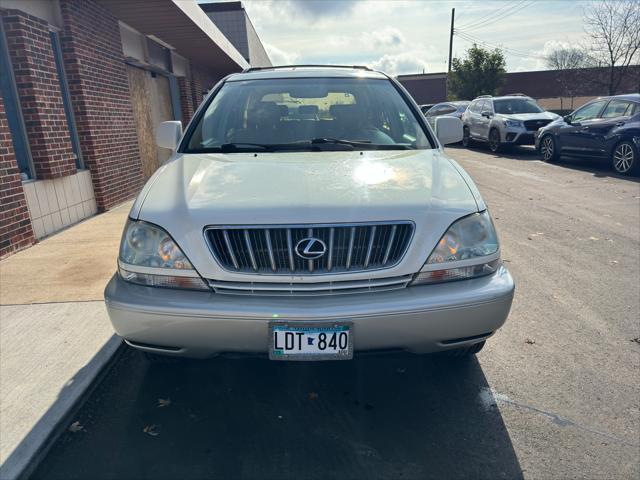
{"x": 588, "y": 111}
{"x": 446, "y": 110}
{"x": 475, "y": 106}
{"x": 484, "y": 106}
{"x": 618, "y": 108}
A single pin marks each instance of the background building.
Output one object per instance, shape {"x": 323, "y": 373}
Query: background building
{"x": 233, "y": 21}
{"x": 554, "y": 90}
{"x": 84, "y": 85}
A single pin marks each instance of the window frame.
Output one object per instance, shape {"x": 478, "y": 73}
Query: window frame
{"x": 604, "y": 105}
{"x": 13, "y": 111}
{"x": 404, "y": 94}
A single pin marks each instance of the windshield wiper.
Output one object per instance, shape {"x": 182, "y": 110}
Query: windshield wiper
{"x": 363, "y": 144}
{"x": 353, "y": 143}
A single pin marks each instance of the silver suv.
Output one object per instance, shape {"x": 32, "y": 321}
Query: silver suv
{"x": 500, "y": 121}
{"x": 307, "y": 213}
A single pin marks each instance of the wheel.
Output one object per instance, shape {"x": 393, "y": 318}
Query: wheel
{"x": 467, "y": 351}
{"x": 466, "y": 137}
{"x": 625, "y": 158}
{"x": 548, "y": 150}
{"x": 494, "y": 140}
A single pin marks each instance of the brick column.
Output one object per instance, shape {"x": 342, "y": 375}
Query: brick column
{"x": 186, "y": 99}
{"x": 196, "y": 89}
{"x": 101, "y": 98}
{"x": 40, "y": 96}
{"x": 15, "y": 225}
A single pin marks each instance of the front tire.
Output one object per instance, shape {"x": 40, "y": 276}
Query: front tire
{"x": 548, "y": 150}
{"x": 467, "y": 351}
{"x": 624, "y": 158}
{"x": 494, "y": 140}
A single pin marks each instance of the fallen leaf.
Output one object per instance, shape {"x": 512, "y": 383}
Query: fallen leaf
{"x": 76, "y": 427}
{"x": 313, "y": 396}
{"x": 613, "y": 262}
{"x": 164, "y": 402}
{"x": 636, "y": 340}
{"x": 279, "y": 417}
{"x": 594, "y": 239}
{"x": 530, "y": 342}
{"x": 151, "y": 430}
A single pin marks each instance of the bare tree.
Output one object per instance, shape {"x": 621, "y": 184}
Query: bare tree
{"x": 614, "y": 29}
{"x": 568, "y": 63}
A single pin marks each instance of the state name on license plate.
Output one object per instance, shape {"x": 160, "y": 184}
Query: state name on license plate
{"x": 311, "y": 341}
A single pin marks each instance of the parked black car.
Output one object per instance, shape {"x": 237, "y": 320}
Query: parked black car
{"x": 605, "y": 128}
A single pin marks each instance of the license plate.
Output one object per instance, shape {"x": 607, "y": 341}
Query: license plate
{"x": 311, "y": 341}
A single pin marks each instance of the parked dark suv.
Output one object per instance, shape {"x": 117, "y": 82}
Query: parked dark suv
{"x": 605, "y": 128}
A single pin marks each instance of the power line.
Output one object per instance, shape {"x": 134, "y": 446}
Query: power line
{"x": 511, "y": 51}
{"x": 489, "y": 15}
{"x": 507, "y": 13}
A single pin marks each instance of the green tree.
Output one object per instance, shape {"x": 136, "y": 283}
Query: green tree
{"x": 481, "y": 72}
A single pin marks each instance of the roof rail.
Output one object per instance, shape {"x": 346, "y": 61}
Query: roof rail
{"x": 484, "y": 96}
{"x": 515, "y": 95}
{"x": 254, "y": 69}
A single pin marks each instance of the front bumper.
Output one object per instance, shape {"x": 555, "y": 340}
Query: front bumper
{"x": 515, "y": 136}
{"x": 419, "y": 319}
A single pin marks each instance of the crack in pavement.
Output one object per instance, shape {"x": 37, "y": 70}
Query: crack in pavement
{"x": 490, "y": 399}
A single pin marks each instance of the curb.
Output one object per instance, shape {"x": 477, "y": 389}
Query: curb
{"x": 32, "y": 449}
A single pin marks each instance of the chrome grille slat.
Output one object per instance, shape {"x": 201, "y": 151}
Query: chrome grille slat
{"x": 247, "y": 240}
{"x": 389, "y": 245}
{"x": 270, "y": 249}
{"x": 352, "y": 238}
{"x": 230, "y": 249}
{"x": 318, "y": 288}
{"x": 272, "y": 260}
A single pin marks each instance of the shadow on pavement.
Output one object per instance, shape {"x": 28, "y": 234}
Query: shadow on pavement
{"x": 600, "y": 168}
{"x": 390, "y": 416}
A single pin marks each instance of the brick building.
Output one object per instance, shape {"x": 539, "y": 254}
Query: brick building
{"x": 554, "y": 90}
{"x": 84, "y": 85}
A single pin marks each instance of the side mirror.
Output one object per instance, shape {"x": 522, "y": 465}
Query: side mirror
{"x": 487, "y": 113}
{"x": 567, "y": 119}
{"x": 168, "y": 134}
{"x": 448, "y": 130}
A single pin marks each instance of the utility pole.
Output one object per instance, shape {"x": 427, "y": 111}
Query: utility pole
{"x": 446, "y": 88}
{"x": 453, "y": 16}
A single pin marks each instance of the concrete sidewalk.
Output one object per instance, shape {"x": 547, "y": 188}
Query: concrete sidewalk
{"x": 55, "y": 336}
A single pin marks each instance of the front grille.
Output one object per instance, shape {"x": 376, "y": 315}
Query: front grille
{"x": 533, "y": 125}
{"x": 272, "y": 249}
{"x": 311, "y": 289}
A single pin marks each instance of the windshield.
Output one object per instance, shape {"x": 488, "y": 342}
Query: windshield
{"x": 307, "y": 114}
{"x": 515, "y": 106}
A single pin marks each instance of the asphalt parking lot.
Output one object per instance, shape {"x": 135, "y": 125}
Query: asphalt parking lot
{"x": 555, "y": 394}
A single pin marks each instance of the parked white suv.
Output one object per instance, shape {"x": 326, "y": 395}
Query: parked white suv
{"x": 503, "y": 121}
{"x": 307, "y": 213}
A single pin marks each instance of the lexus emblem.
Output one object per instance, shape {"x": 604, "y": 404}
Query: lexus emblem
{"x": 310, "y": 248}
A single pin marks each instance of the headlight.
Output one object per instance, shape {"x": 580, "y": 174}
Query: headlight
{"x": 513, "y": 123}
{"x": 468, "y": 249}
{"x": 149, "y": 256}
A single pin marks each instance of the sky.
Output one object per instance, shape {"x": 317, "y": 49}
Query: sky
{"x": 412, "y": 36}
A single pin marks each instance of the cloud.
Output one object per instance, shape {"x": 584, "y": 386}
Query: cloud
{"x": 386, "y": 38}
{"x": 280, "y": 57}
{"x": 397, "y": 64}
{"x": 322, "y": 8}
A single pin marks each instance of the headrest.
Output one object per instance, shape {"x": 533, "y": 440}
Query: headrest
{"x": 284, "y": 110}
{"x": 342, "y": 111}
{"x": 308, "y": 110}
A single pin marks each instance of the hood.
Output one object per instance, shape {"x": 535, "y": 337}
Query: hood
{"x": 193, "y": 191}
{"x": 530, "y": 116}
